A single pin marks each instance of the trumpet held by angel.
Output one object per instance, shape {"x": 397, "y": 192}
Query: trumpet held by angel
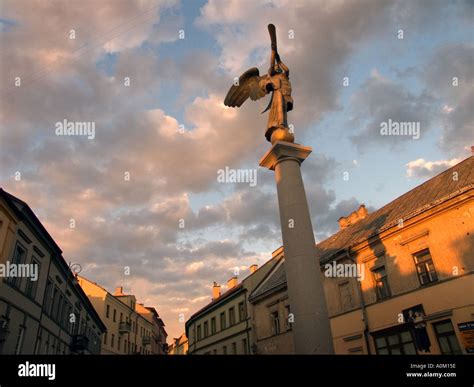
{"x": 277, "y": 82}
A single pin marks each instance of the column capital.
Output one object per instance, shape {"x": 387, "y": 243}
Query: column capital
{"x": 282, "y": 150}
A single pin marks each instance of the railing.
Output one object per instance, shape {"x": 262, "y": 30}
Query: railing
{"x": 125, "y": 327}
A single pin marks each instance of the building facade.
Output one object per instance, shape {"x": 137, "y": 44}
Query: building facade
{"x": 179, "y": 346}
{"x": 399, "y": 280}
{"x": 271, "y": 314}
{"x": 128, "y": 331}
{"x": 43, "y": 310}
{"x": 224, "y": 326}
{"x": 158, "y": 333}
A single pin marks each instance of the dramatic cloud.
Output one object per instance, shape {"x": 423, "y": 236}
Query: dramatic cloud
{"x": 379, "y": 102}
{"x": 425, "y": 169}
{"x": 143, "y": 193}
{"x": 315, "y": 39}
{"x": 450, "y": 77}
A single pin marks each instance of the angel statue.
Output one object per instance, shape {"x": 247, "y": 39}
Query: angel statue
{"x": 252, "y": 85}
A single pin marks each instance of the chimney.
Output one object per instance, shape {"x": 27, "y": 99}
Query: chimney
{"x": 118, "y": 291}
{"x": 472, "y": 150}
{"x": 354, "y": 217}
{"x": 253, "y": 268}
{"x": 216, "y": 291}
{"x": 232, "y": 282}
{"x": 343, "y": 223}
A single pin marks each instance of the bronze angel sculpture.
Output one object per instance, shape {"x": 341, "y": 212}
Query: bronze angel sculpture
{"x": 276, "y": 81}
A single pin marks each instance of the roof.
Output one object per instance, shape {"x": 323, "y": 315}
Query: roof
{"x": 275, "y": 254}
{"x": 275, "y": 279}
{"x": 26, "y": 214}
{"x": 223, "y": 296}
{"x": 421, "y": 198}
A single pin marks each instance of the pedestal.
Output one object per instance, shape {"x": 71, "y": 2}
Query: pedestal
{"x": 311, "y": 329}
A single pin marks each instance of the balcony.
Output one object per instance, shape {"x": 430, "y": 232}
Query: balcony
{"x": 79, "y": 343}
{"x": 146, "y": 340}
{"x": 125, "y": 327}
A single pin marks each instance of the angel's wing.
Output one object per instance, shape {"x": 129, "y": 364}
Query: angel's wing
{"x": 249, "y": 86}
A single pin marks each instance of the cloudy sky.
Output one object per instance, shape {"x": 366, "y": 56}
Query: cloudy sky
{"x": 152, "y": 76}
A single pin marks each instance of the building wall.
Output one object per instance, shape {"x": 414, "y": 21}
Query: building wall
{"x": 126, "y": 328}
{"x": 157, "y": 336}
{"x": 240, "y": 335}
{"x": 179, "y": 346}
{"x": 447, "y": 231}
{"x": 228, "y": 339}
{"x": 271, "y": 339}
{"x": 44, "y": 321}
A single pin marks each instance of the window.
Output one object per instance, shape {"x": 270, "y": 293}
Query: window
{"x": 19, "y": 340}
{"x": 31, "y": 285}
{"x": 19, "y": 255}
{"x": 107, "y": 311}
{"x": 231, "y": 316}
{"x": 244, "y": 346}
{"x": 121, "y": 317}
{"x": 242, "y": 314}
{"x": 234, "y": 348}
{"x": 57, "y": 315}
{"x": 112, "y": 340}
{"x": 425, "y": 268}
{"x": 125, "y": 346}
{"x": 448, "y": 343}
{"x": 199, "y": 335}
{"x": 213, "y": 325}
{"x": 115, "y": 315}
{"x": 289, "y": 320}
{"x": 345, "y": 294}
{"x": 275, "y": 323}
{"x": 77, "y": 323}
{"x": 206, "y": 329}
{"x": 119, "y": 341}
{"x": 381, "y": 283}
{"x": 38, "y": 346}
{"x": 47, "y": 296}
{"x": 224, "y": 350}
{"x": 54, "y": 307}
{"x": 395, "y": 343}
{"x": 105, "y": 338}
{"x": 68, "y": 323}
{"x": 223, "y": 322}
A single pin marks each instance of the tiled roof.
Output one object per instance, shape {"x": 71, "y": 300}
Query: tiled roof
{"x": 413, "y": 202}
{"x": 277, "y": 278}
{"x": 222, "y": 297}
{"x": 419, "y": 199}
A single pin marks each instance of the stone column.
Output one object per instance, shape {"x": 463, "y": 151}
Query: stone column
{"x": 311, "y": 329}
